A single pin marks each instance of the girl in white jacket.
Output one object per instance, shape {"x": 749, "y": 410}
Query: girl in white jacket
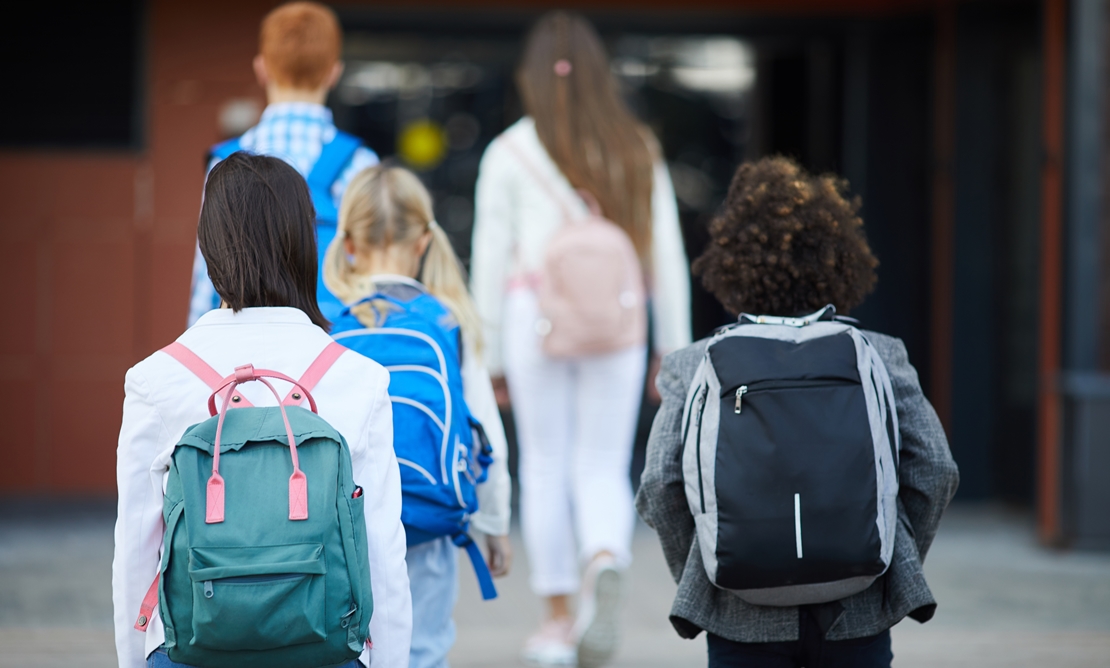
{"x": 257, "y": 234}
{"x": 388, "y": 244}
{"x": 576, "y": 417}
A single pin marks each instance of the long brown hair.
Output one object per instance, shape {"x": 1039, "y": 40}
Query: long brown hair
{"x": 584, "y": 124}
{"x": 257, "y": 233}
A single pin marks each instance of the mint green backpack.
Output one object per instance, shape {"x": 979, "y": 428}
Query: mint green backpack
{"x": 265, "y": 555}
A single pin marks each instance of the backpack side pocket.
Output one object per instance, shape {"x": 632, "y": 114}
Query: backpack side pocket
{"x": 358, "y": 570}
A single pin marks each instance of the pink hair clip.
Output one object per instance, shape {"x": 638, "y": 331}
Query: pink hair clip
{"x": 563, "y": 67}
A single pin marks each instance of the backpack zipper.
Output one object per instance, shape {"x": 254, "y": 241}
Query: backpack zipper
{"x": 740, "y": 392}
{"x": 690, "y": 415}
{"x": 767, "y": 385}
{"x": 209, "y": 591}
{"x": 697, "y": 451}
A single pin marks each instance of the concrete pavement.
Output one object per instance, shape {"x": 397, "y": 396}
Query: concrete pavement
{"x": 1004, "y": 601}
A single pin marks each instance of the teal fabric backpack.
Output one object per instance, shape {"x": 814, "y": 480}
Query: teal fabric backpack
{"x": 265, "y": 555}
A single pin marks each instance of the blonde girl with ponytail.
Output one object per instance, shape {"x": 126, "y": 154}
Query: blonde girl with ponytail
{"x": 388, "y": 244}
{"x": 386, "y": 228}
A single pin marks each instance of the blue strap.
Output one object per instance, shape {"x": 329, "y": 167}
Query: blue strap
{"x": 485, "y": 580}
{"x": 224, "y": 149}
{"x": 334, "y": 157}
{"x": 485, "y": 450}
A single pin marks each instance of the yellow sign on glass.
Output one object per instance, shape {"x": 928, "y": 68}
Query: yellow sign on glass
{"x": 422, "y": 144}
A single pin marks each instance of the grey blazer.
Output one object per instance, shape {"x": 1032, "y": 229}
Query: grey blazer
{"x": 927, "y": 476}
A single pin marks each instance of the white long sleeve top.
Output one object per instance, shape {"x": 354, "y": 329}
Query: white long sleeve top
{"x": 515, "y": 216}
{"x": 163, "y": 399}
{"x": 495, "y": 494}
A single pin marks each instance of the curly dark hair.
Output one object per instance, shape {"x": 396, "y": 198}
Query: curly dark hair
{"x": 787, "y": 243}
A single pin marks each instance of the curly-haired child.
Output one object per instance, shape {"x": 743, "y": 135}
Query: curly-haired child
{"x": 787, "y": 243}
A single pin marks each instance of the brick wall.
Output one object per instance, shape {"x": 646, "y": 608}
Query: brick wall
{"x": 96, "y": 252}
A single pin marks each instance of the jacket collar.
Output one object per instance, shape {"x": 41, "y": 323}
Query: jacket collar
{"x": 283, "y": 315}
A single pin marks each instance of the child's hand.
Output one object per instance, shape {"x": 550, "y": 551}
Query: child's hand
{"x": 500, "y": 555}
{"x": 653, "y": 371}
{"x": 501, "y": 392}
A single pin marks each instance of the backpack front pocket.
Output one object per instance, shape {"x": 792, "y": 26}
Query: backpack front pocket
{"x": 257, "y": 598}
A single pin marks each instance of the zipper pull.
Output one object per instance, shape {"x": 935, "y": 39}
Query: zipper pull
{"x": 208, "y": 593}
{"x": 740, "y": 391}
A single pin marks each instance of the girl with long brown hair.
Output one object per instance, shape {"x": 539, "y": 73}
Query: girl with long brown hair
{"x": 575, "y": 414}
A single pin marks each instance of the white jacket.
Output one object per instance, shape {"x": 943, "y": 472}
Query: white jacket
{"x": 163, "y": 399}
{"x": 515, "y": 217}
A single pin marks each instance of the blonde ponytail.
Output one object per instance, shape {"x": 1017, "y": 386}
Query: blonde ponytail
{"x": 389, "y": 205}
{"x": 444, "y": 277}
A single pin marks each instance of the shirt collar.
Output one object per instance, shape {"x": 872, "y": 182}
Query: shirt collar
{"x": 277, "y": 315}
{"x": 308, "y": 110}
{"x": 397, "y": 278}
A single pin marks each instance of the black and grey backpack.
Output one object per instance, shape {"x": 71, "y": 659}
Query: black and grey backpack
{"x": 790, "y": 459}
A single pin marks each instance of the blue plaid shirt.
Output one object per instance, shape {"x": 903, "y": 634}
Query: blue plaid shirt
{"x": 295, "y": 132}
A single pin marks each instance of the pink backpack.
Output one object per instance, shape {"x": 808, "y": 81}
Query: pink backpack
{"x": 591, "y": 288}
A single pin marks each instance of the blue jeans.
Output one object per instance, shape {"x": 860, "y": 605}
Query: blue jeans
{"x": 159, "y": 659}
{"x": 810, "y": 650}
{"x": 434, "y": 581}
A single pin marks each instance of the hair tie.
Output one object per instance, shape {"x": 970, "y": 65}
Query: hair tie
{"x": 563, "y": 67}
{"x": 433, "y": 225}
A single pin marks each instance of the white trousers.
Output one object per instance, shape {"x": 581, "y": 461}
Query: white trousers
{"x": 575, "y": 423}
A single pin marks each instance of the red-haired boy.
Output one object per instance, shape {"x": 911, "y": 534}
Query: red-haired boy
{"x": 298, "y": 63}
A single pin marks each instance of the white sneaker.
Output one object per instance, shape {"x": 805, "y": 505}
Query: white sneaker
{"x": 552, "y": 645}
{"x": 597, "y": 627}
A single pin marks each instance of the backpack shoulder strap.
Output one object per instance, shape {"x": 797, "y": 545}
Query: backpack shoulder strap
{"x": 334, "y": 156}
{"x": 199, "y": 367}
{"x": 530, "y": 167}
{"x": 314, "y": 373}
{"x": 224, "y": 149}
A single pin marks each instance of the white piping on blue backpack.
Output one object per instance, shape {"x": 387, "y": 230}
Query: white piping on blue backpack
{"x": 441, "y": 376}
{"x": 455, "y": 471}
{"x": 420, "y": 407}
{"x": 416, "y": 368}
{"x": 419, "y": 468}
{"x": 401, "y": 332}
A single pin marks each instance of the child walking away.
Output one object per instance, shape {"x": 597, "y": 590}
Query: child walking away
{"x": 575, "y": 227}
{"x": 298, "y": 63}
{"x": 259, "y": 516}
{"x": 412, "y": 313}
{"x": 844, "y": 466}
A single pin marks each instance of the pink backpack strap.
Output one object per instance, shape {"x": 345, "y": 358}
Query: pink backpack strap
{"x": 201, "y": 369}
{"x": 314, "y": 373}
{"x": 147, "y": 607}
{"x": 543, "y": 181}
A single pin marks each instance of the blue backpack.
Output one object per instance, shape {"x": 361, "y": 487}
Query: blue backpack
{"x": 442, "y": 450}
{"x": 334, "y": 158}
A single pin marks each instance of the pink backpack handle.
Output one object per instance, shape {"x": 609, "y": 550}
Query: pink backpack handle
{"x": 298, "y": 484}
{"x": 258, "y": 375}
